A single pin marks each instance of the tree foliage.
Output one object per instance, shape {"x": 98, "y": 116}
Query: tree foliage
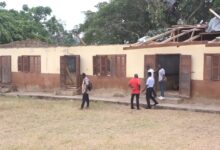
{"x": 32, "y": 23}
{"x": 121, "y": 21}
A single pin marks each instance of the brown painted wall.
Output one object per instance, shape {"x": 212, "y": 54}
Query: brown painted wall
{"x": 29, "y": 81}
{"x": 109, "y": 82}
{"x": 208, "y": 89}
{"x": 32, "y": 80}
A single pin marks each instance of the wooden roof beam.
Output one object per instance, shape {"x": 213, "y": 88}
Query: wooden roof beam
{"x": 176, "y": 36}
{"x": 159, "y": 35}
{"x": 192, "y": 38}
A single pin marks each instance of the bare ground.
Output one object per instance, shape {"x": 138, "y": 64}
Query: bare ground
{"x": 38, "y": 124}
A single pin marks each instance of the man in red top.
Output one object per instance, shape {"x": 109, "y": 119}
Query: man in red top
{"x": 135, "y": 86}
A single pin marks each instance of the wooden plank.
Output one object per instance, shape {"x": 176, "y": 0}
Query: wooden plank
{"x": 176, "y": 36}
{"x": 213, "y": 12}
{"x": 192, "y": 38}
{"x": 185, "y": 76}
{"x": 159, "y": 35}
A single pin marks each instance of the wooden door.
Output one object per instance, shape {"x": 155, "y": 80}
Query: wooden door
{"x": 5, "y": 68}
{"x": 185, "y": 76}
{"x": 70, "y": 71}
{"x": 149, "y": 60}
{"x": 78, "y": 77}
{"x": 62, "y": 71}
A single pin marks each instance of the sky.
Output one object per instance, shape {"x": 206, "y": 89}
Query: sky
{"x": 69, "y": 11}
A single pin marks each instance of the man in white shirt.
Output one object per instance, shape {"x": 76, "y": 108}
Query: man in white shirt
{"x": 149, "y": 69}
{"x": 149, "y": 90}
{"x": 161, "y": 79}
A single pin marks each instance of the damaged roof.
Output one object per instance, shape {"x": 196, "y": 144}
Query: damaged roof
{"x": 180, "y": 35}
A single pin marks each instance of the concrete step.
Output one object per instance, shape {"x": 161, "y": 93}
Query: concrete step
{"x": 6, "y": 88}
{"x": 68, "y": 92}
{"x": 170, "y": 100}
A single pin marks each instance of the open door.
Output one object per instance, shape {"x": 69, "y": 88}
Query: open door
{"x": 149, "y": 60}
{"x": 5, "y": 69}
{"x": 70, "y": 71}
{"x": 185, "y": 76}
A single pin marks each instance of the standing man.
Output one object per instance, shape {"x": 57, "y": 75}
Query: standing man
{"x": 149, "y": 69}
{"x": 149, "y": 89}
{"x": 135, "y": 86}
{"x": 85, "y": 95}
{"x": 161, "y": 79}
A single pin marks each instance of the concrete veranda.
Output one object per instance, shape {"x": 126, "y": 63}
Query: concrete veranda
{"x": 168, "y": 103}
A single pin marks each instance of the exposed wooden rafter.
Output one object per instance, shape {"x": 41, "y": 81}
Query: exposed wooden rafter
{"x": 159, "y": 35}
{"x": 192, "y": 38}
{"x": 179, "y": 35}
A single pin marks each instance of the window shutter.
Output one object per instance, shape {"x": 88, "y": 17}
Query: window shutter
{"x": 32, "y": 64}
{"x": 20, "y": 66}
{"x": 215, "y": 68}
{"x": 26, "y": 64}
{"x": 38, "y": 62}
{"x": 103, "y": 65}
{"x": 96, "y": 65}
{"x": 207, "y": 67}
{"x": 120, "y": 65}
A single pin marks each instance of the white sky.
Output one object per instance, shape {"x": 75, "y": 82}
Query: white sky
{"x": 69, "y": 11}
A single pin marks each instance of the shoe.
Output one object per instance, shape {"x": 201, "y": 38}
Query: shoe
{"x": 160, "y": 98}
{"x": 147, "y": 107}
{"x": 132, "y": 107}
{"x": 155, "y": 104}
{"x": 138, "y": 108}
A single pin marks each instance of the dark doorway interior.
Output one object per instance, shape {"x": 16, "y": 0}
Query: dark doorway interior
{"x": 171, "y": 64}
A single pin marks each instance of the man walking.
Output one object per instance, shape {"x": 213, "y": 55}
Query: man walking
{"x": 149, "y": 89}
{"x": 149, "y": 69}
{"x": 135, "y": 86}
{"x": 85, "y": 95}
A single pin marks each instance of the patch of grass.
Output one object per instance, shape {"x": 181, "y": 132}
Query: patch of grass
{"x": 28, "y": 123}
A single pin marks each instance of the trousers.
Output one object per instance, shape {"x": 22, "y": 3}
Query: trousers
{"x": 85, "y": 98}
{"x": 132, "y": 100}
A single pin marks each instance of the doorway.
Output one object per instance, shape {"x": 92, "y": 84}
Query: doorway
{"x": 178, "y": 72}
{"x": 171, "y": 64}
{"x": 70, "y": 71}
{"x": 5, "y": 69}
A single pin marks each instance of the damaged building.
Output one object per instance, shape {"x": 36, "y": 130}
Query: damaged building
{"x": 189, "y": 54}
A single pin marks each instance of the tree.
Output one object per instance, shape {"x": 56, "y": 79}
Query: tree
{"x": 33, "y": 23}
{"x": 122, "y": 21}
{"x": 116, "y": 22}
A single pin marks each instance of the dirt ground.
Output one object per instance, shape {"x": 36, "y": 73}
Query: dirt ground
{"x": 41, "y": 124}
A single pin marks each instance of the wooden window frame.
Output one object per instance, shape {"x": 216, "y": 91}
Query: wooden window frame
{"x": 212, "y": 67}
{"x": 109, "y": 65}
{"x": 29, "y": 64}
